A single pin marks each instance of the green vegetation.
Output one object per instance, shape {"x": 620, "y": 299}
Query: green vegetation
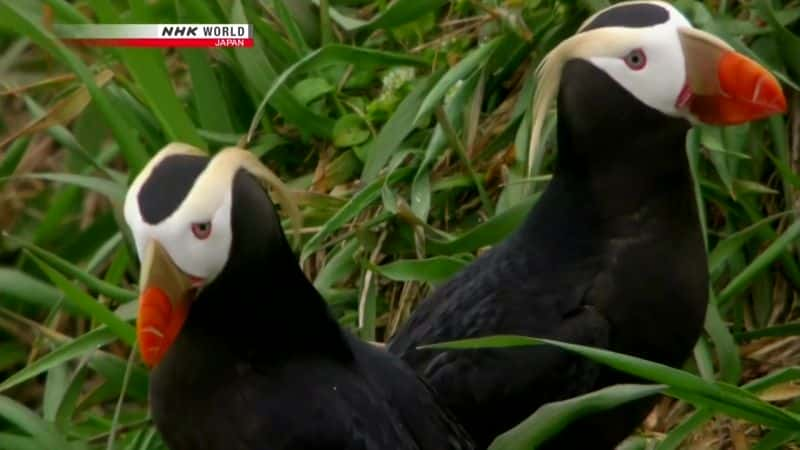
{"x": 403, "y": 127}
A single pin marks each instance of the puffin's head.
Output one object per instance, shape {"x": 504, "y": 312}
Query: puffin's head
{"x": 653, "y": 53}
{"x": 180, "y": 210}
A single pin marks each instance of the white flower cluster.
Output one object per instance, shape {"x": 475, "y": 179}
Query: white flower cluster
{"x": 395, "y": 78}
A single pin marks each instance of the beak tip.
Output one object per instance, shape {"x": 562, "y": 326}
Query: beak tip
{"x": 782, "y": 105}
{"x": 747, "y": 92}
{"x": 775, "y": 99}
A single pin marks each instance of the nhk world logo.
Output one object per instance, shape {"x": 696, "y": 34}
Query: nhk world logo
{"x": 158, "y": 35}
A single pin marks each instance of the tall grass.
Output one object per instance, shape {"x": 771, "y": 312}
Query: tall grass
{"x": 403, "y": 127}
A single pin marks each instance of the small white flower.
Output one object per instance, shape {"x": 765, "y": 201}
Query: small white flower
{"x": 395, "y": 78}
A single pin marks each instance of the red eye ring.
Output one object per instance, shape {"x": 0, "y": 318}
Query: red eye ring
{"x": 635, "y": 59}
{"x": 201, "y": 230}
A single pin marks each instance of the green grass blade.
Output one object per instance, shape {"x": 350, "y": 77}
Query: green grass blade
{"x": 355, "y": 205}
{"x": 10, "y": 441}
{"x": 66, "y": 409}
{"x": 13, "y": 16}
{"x": 89, "y": 305}
{"x": 67, "y": 268}
{"x": 113, "y": 368}
{"x": 331, "y": 54}
{"x": 784, "y": 330}
{"x": 11, "y": 354}
{"x": 63, "y": 136}
{"x": 212, "y": 107}
{"x": 471, "y": 63}
{"x": 326, "y": 29}
{"x": 729, "y": 399}
{"x": 776, "y": 440}
{"x": 44, "y": 433}
{"x": 55, "y": 387}
{"x": 338, "y": 267}
{"x": 260, "y": 74}
{"x": 198, "y": 11}
{"x": 67, "y": 13}
{"x": 73, "y": 349}
{"x": 105, "y": 11}
{"x": 551, "y": 418}
{"x": 279, "y": 49}
{"x": 292, "y": 29}
{"x": 759, "y": 264}
{"x": 788, "y": 42}
{"x": 487, "y": 233}
{"x": 149, "y": 70}
{"x": 679, "y": 434}
{"x": 734, "y": 243}
{"x": 781, "y": 376}
{"x": 120, "y": 400}
{"x": 458, "y": 146}
{"x": 727, "y": 351}
{"x": 430, "y": 270}
{"x": 703, "y": 359}
{"x": 399, "y": 13}
{"x": 21, "y": 287}
{"x": 11, "y": 158}
{"x": 396, "y": 129}
{"x": 111, "y": 189}
{"x": 63, "y": 202}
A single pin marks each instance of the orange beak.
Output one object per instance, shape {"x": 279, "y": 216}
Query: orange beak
{"x": 166, "y": 293}
{"x": 726, "y": 87}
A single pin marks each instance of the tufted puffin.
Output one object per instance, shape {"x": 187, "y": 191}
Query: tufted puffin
{"x": 612, "y": 255}
{"x": 245, "y": 353}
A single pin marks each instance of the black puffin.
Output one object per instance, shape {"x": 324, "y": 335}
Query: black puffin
{"x": 612, "y": 255}
{"x": 246, "y": 355}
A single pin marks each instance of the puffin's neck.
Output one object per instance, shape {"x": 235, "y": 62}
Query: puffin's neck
{"x": 268, "y": 309}
{"x": 623, "y": 174}
{"x": 616, "y": 152}
{"x": 262, "y": 304}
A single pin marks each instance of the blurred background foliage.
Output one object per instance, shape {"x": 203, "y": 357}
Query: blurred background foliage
{"x": 403, "y": 127}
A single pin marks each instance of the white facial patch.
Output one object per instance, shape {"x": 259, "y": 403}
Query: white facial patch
{"x": 208, "y": 201}
{"x": 659, "y": 83}
{"x": 196, "y": 249}
{"x": 200, "y": 258}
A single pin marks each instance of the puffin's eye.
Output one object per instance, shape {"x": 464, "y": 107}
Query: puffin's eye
{"x": 201, "y": 230}
{"x": 636, "y": 59}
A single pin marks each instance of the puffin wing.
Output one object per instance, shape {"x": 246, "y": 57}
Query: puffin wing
{"x": 488, "y": 389}
{"x": 317, "y": 407}
{"x": 417, "y": 406}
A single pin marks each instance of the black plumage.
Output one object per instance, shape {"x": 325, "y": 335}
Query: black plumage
{"x": 261, "y": 364}
{"x": 168, "y": 185}
{"x": 631, "y": 15}
{"x": 612, "y": 256}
